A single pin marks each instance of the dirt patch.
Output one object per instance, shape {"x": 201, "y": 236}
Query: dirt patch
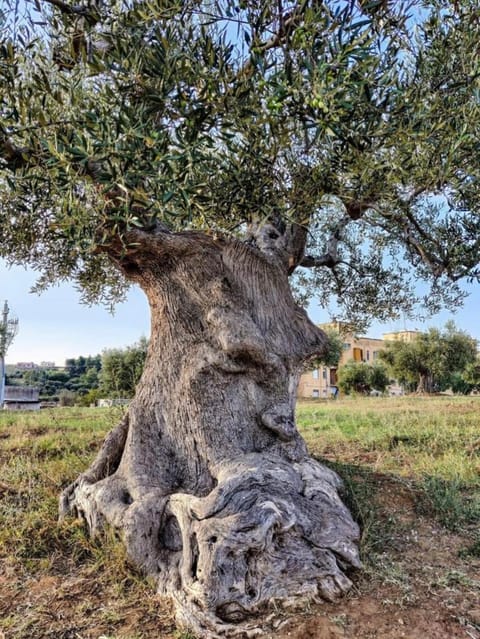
{"x": 368, "y": 618}
{"x": 35, "y": 432}
{"x": 85, "y": 607}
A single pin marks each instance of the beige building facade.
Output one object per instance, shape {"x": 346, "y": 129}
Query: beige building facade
{"x": 401, "y": 336}
{"x": 322, "y": 382}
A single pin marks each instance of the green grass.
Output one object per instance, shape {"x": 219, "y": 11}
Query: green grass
{"x": 410, "y": 437}
{"x": 451, "y": 502}
{"x": 40, "y": 454}
{"x": 379, "y": 528}
{"x": 430, "y": 444}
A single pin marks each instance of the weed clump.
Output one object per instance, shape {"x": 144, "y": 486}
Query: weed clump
{"x": 450, "y": 502}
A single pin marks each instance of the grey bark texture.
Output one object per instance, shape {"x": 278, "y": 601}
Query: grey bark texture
{"x": 207, "y": 478}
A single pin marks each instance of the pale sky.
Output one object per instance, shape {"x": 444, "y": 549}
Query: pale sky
{"x": 55, "y": 325}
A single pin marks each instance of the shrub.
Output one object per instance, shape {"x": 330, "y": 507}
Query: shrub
{"x": 359, "y": 377}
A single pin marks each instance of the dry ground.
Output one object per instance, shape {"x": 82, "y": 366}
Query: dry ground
{"x": 418, "y": 587}
{"x": 420, "y": 544}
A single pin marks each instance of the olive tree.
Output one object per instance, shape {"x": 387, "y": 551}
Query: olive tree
{"x": 211, "y": 151}
{"x": 122, "y": 369}
{"x": 431, "y": 362}
{"x": 471, "y": 375}
{"x": 360, "y": 377}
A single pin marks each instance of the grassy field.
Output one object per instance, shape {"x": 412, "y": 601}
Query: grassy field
{"x": 410, "y": 437}
{"x": 411, "y": 468}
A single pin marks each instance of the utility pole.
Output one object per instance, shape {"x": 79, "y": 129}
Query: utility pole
{"x": 8, "y": 330}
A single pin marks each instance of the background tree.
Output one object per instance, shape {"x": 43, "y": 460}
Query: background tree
{"x": 378, "y": 378}
{"x": 360, "y": 377}
{"x": 332, "y": 352}
{"x": 459, "y": 385}
{"x": 67, "y": 398}
{"x": 122, "y": 369}
{"x": 206, "y": 151}
{"x": 433, "y": 361}
{"x": 81, "y": 365}
{"x": 51, "y": 382}
{"x": 471, "y": 374}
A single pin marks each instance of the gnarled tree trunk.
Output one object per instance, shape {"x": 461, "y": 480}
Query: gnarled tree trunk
{"x": 425, "y": 383}
{"x": 207, "y": 477}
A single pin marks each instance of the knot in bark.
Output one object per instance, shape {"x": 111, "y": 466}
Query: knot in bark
{"x": 231, "y": 611}
{"x": 280, "y": 420}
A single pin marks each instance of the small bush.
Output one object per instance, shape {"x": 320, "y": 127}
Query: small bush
{"x": 67, "y": 398}
{"x": 360, "y": 377}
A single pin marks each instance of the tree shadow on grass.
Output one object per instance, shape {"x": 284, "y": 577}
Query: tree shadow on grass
{"x": 374, "y": 499}
{"x": 361, "y": 489}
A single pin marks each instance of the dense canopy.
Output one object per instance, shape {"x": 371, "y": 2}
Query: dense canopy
{"x": 350, "y": 127}
{"x": 434, "y": 360}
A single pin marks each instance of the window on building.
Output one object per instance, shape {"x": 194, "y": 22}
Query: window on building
{"x": 315, "y": 392}
{"x": 324, "y": 373}
{"x": 346, "y": 346}
{"x": 358, "y": 354}
{"x": 315, "y": 373}
{"x": 375, "y": 354}
{"x": 368, "y": 356}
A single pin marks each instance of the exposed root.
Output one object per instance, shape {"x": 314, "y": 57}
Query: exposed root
{"x": 270, "y": 531}
{"x": 104, "y": 465}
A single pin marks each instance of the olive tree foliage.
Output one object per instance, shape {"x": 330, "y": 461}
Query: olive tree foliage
{"x": 122, "y": 369}
{"x": 434, "y": 361}
{"x": 351, "y": 127}
{"x": 360, "y": 377}
{"x": 471, "y": 375}
{"x": 207, "y": 150}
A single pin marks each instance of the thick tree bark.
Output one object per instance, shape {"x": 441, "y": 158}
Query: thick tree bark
{"x": 207, "y": 478}
{"x": 425, "y": 383}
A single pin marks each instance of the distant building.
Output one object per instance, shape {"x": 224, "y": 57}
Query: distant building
{"x": 26, "y": 366}
{"x": 47, "y": 365}
{"x": 401, "y": 336}
{"x": 21, "y": 398}
{"x": 322, "y": 381}
{"x": 108, "y": 403}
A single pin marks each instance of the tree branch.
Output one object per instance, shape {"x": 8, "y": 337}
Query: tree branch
{"x": 285, "y": 28}
{"x": 435, "y": 264}
{"x": 14, "y": 157}
{"x": 284, "y": 31}
{"x": 355, "y": 209}
{"x": 408, "y": 225}
{"x": 296, "y": 240}
{"x": 18, "y": 157}
{"x": 75, "y": 10}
